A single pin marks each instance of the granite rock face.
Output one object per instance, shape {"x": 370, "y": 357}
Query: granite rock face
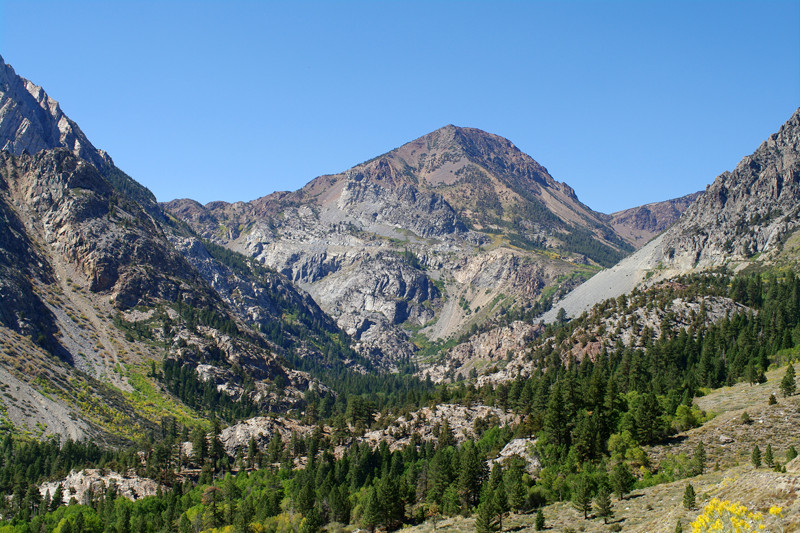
{"x": 422, "y": 425}
{"x": 85, "y": 223}
{"x": 88, "y": 267}
{"x": 479, "y": 352}
{"x": 93, "y": 482}
{"x": 524, "y": 449}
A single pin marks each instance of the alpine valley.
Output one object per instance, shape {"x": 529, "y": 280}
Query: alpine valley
{"x": 442, "y": 336}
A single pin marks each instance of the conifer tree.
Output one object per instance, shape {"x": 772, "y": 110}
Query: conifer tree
{"x": 185, "y": 525}
{"x": 622, "y": 480}
{"x": 755, "y": 457}
{"x": 391, "y": 501}
{"x": 769, "y": 459}
{"x": 446, "y": 437}
{"x": 515, "y": 487}
{"x": 486, "y": 517}
{"x": 372, "y": 510}
{"x": 602, "y": 502}
{"x": 791, "y": 453}
{"x": 699, "y": 459}
{"x": 472, "y": 471}
{"x": 539, "y": 520}
{"x": 772, "y": 400}
{"x": 500, "y": 501}
{"x": 582, "y": 496}
{"x": 788, "y": 384}
{"x": 58, "y": 498}
{"x": 311, "y": 522}
{"x": 648, "y": 418}
{"x": 678, "y": 527}
{"x": 689, "y": 497}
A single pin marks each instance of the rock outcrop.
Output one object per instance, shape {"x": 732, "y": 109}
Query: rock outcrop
{"x": 428, "y": 423}
{"x": 481, "y": 350}
{"x": 746, "y": 212}
{"x": 423, "y": 425}
{"x": 524, "y": 449}
{"x": 91, "y": 483}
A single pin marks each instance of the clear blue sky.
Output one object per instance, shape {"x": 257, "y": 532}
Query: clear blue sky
{"x": 628, "y": 102}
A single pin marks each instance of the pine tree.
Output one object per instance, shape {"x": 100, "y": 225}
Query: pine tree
{"x": 372, "y": 510}
{"x": 772, "y": 400}
{"x": 539, "y": 520}
{"x": 515, "y": 487}
{"x": 486, "y": 518}
{"x": 311, "y": 522}
{"x": 699, "y": 459}
{"x": 689, "y": 497}
{"x": 392, "y": 504}
{"x": 123, "y": 521}
{"x": 678, "y": 527}
{"x": 199, "y": 446}
{"x": 602, "y": 502}
{"x": 500, "y": 501}
{"x": 769, "y": 459}
{"x": 472, "y": 471}
{"x": 755, "y": 457}
{"x": 622, "y": 480}
{"x": 185, "y": 525}
{"x": 791, "y": 453}
{"x": 581, "y": 496}
{"x": 647, "y": 418}
{"x": 788, "y": 385}
{"x": 446, "y": 437}
{"x": 58, "y": 498}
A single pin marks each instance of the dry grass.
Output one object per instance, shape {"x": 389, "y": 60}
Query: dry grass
{"x": 727, "y": 440}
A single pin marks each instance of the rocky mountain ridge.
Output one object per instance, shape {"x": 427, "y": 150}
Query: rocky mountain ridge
{"x": 742, "y": 218}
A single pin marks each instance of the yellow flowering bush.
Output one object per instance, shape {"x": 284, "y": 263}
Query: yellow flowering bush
{"x": 722, "y": 516}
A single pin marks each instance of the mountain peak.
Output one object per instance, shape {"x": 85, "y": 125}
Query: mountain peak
{"x": 31, "y": 121}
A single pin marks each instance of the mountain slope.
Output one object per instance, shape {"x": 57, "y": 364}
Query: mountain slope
{"x": 97, "y": 283}
{"x": 742, "y": 218}
{"x": 103, "y": 292}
